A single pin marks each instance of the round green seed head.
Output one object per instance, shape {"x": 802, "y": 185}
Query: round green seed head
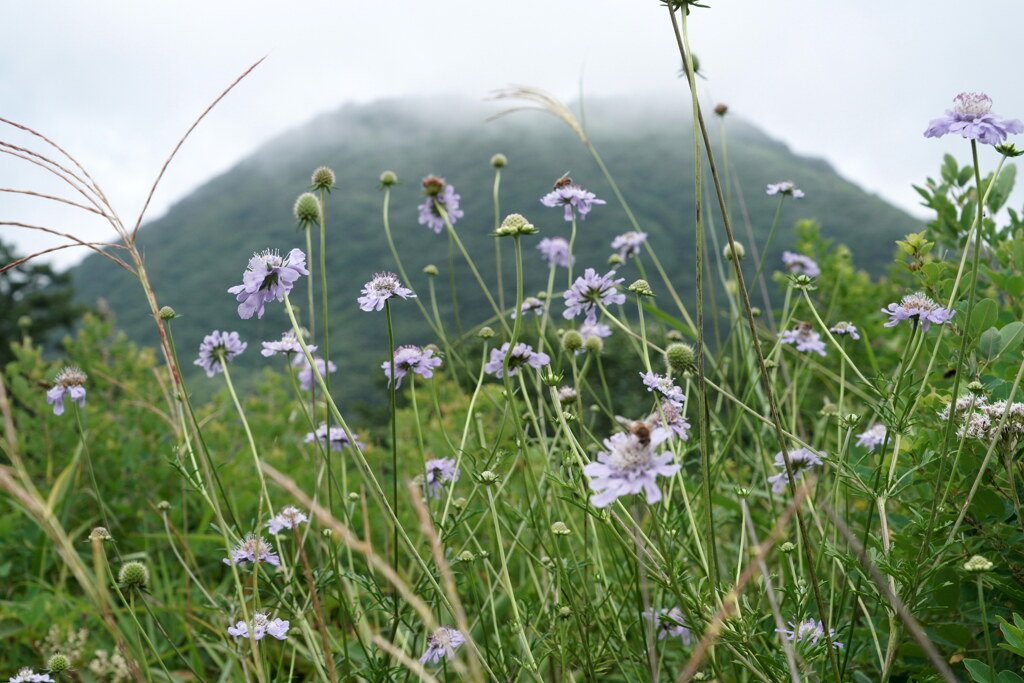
{"x": 680, "y": 357}
{"x": 499, "y": 161}
{"x": 572, "y": 341}
{"x": 727, "y": 251}
{"x": 323, "y": 178}
{"x": 430, "y": 269}
{"x": 388, "y": 178}
{"x": 134, "y": 576}
{"x": 307, "y": 209}
{"x": 167, "y": 313}
{"x": 594, "y": 345}
{"x": 58, "y": 663}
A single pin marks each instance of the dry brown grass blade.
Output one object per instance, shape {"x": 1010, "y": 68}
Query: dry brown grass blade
{"x": 56, "y": 199}
{"x": 94, "y": 187}
{"x": 92, "y": 245}
{"x": 95, "y": 246}
{"x": 542, "y": 101}
{"x": 163, "y": 169}
{"x": 64, "y": 174}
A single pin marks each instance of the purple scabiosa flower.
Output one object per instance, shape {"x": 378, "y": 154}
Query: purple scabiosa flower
{"x": 800, "y": 264}
{"x": 436, "y": 472}
{"x": 675, "y": 421}
{"x": 289, "y": 517}
{"x": 555, "y": 250}
{"x": 917, "y": 307}
{"x": 261, "y": 625}
{"x": 786, "y": 188}
{"x": 27, "y": 675}
{"x": 588, "y": 291}
{"x": 874, "y": 435}
{"x": 629, "y": 466}
{"x": 800, "y": 459}
{"x": 411, "y": 359}
{"x": 804, "y": 338}
{"x": 287, "y": 345}
{"x": 669, "y": 624}
{"x": 267, "y": 277}
{"x": 338, "y": 438}
{"x": 68, "y": 382}
{"x": 522, "y": 354}
{"x": 570, "y": 195}
{"x": 844, "y": 327}
{"x": 808, "y": 633}
{"x": 437, "y": 190}
{"x": 382, "y": 287}
{"x": 306, "y": 370}
{"x": 441, "y": 644}
{"x": 972, "y": 117}
{"x": 218, "y": 348}
{"x": 663, "y": 385}
{"x": 628, "y": 243}
{"x": 253, "y": 549}
{"x": 530, "y": 304}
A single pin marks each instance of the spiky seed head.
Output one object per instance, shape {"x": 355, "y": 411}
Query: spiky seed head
{"x": 323, "y": 179}
{"x": 976, "y": 387}
{"x": 307, "y": 209}
{"x": 167, "y": 313}
{"x": 594, "y": 345}
{"x": 787, "y": 547}
{"x": 641, "y": 288}
{"x": 485, "y": 332}
{"x": 728, "y": 250}
{"x": 572, "y": 341}
{"x": 133, "y": 576}
{"x": 680, "y": 357}
{"x": 388, "y": 178}
{"x": 58, "y": 663}
{"x": 499, "y": 161}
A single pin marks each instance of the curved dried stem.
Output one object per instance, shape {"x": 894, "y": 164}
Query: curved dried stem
{"x": 38, "y": 160}
{"x": 95, "y": 246}
{"x": 163, "y": 169}
{"x": 56, "y": 199}
{"x": 92, "y": 245}
{"x": 544, "y": 102}
{"x": 94, "y": 186}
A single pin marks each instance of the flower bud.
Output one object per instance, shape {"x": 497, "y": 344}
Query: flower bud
{"x": 24, "y": 321}
{"x": 976, "y": 387}
{"x": 163, "y": 506}
{"x": 430, "y": 269}
{"x": 167, "y": 313}
{"x": 499, "y": 161}
{"x": 58, "y": 663}
{"x": 564, "y": 612}
{"x": 594, "y": 345}
{"x": 728, "y": 250}
{"x": 100, "y": 534}
{"x": 680, "y": 357}
{"x": 787, "y": 547}
{"x": 388, "y": 178}
{"x": 978, "y": 564}
{"x": 572, "y": 341}
{"x": 721, "y": 109}
{"x": 133, "y": 576}
{"x": 614, "y": 260}
{"x": 323, "y": 179}
{"x": 307, "y": 209}
{"x": 515, "y": 225}
{"x": 560, "y": 529}
{"x": 487, "y": 477}
{"x": 466, "y": 556}
{"x": 459, "y": 504}
{"x": 433, "y": 186}
{"x": 641, "y": 288}
{"x": 567, "y": 396}
{"x": 485, "y": 332}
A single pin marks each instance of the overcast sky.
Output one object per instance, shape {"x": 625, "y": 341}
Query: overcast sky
{"x": 116, "y": 82}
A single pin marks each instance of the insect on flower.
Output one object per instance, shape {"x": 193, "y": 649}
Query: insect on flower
{"x": 641, "y": 429}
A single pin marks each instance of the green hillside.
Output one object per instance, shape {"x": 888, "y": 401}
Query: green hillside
{"x": 201, "y": 246}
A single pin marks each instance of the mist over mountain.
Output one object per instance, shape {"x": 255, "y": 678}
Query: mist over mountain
{"x": 200, "y": 247}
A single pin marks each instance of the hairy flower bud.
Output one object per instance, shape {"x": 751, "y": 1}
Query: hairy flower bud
{"x": 388, "y": 178}
{"x": 307, "y": 209}
{"x": 167, "y": 313}
{"x": 499, "y": 161}
{"x": 680, "y": 357}
{"x": 58, "y": 663}
{"x": 485, "y": 332}
{"x": 133, "y": 576}
{"x": 430, "y": 269}
{"x": 978, "y": 564}
{"x": 514, "y": 225}
{"x": 572, "y": 341}
{"x": 727, "y": 251}
{"x": 323, "y": 179}
{"x": 641, "y": 288}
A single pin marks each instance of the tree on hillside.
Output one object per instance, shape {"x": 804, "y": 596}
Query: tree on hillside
{"x": 34, "y": 300}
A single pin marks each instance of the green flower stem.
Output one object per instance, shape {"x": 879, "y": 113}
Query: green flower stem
{"x": 252, "y": 441}
{"x": 321, "y": 624}
{"x": 394, "y": 451}
{"x": 451, "y": 285}
{"x": 92, "y": 473}
{"x": 984, "y": 621}
{"x": 572, "y": 243}
{"x": 497, "y": 240}
{"x": 311, "y": 318}
{"x": 622, "y": 326}
{"x": 836, "y": 344}
{"x": 758, "y": 279}
{"x": 668, "y": 285}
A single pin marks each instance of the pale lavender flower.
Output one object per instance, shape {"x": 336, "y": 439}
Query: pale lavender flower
{"x": 786, "y": 188}
{"x": 800, "y": 459}
{"x": 261, "y": 625}
{"x": 917, "y": 307}
{"x": 338, "y": 439}
{"x": 27, "y": 675}
{"x": 669, "y": 624}
{"x": 290, "y": 517}
{"x": 808, "y": 632}
{"x": 663, "y": 385}
{"x": 570, "y": 195}
{"x": 441, "y": 644}
{"x": 972, "y": 117}
{"x": 800, "y": 264}
{"x": 629, "y": 466}
{"x": 555, "y": 250}
{"x": 306, "y": 370}
{"x": 411, "y": 359}
{"x": 588, "y": 291}
{"x": 522, "y": 354}
{"x": 530, "y": 304}
{"x": 68, "y": 382}
{"x": 845, "y": 327}
{"x": 382, "y": 287}
{"x": 287, "y": 345}
{"x": 218, "y": 348}
{"x": 443, "y": 194}
{"x": 253, "y": 549}
{"x": 628, "y": 243}
{"x": 804, "y": 338}
{"x": 874, "y": 435}
{"x": 267, "y": 277}
{"x": 675, "y": 421}
{"x": 436, "y": 472}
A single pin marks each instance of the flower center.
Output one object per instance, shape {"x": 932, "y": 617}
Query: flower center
{"x": 972, "y": 104}
{"x": 919, "y": 301}
{"x": 629, "y": 454}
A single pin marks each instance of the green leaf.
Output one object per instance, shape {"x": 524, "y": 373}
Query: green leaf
{"x": 1002, "y": 188}
{"x": 989, "y": 344}
{"x": 980, "y": 672}
{"x": 1011, "y": 336}
{"x": 985, "y": 314}
{"x": 1008, "y": 677}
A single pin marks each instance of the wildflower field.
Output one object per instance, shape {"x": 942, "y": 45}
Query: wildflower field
{"x": 790, "y": 472}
